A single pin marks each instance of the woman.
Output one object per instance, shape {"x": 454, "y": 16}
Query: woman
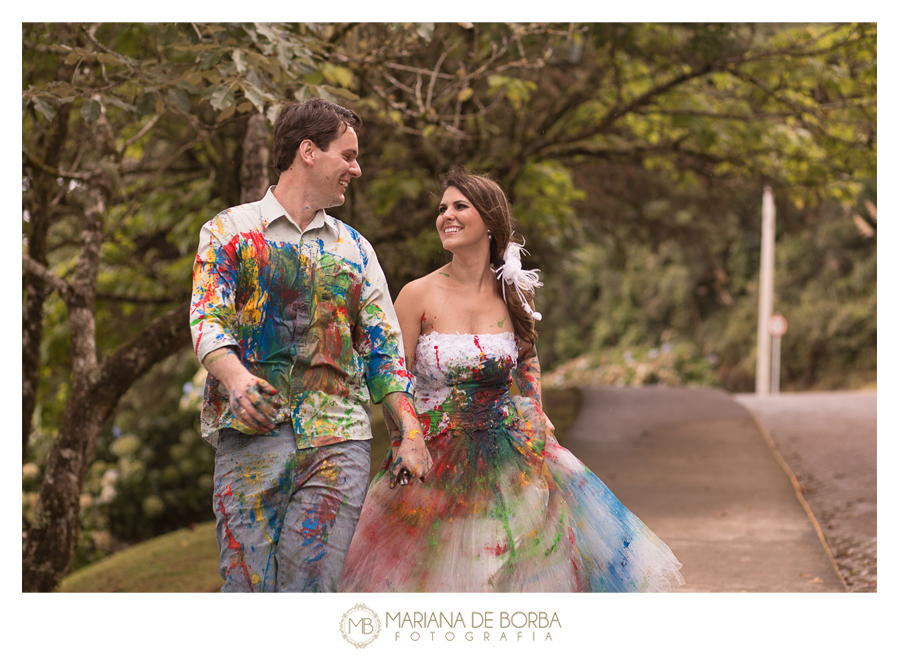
{"x": 505, "y": 508}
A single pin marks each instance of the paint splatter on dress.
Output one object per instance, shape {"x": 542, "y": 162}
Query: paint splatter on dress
{"x": 505, "y": 508}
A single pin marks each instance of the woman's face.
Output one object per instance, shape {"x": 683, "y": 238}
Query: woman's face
{"x": 458, "y": 223}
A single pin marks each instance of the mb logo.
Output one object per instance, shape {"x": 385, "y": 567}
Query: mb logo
{"x": 360, "y": 626}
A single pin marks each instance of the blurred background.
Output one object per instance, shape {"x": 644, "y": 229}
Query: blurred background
{"x": 635, "y": 156}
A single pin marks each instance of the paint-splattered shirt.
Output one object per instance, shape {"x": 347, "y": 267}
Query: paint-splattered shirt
{"x": 307, "y": 311}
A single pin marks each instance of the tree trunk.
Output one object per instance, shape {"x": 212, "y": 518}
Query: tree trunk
{"x": 35, "y": 290}
{"x": 32, "y": 326}
{"x": 50, "y": 542}
{"x": 255, "y": 164}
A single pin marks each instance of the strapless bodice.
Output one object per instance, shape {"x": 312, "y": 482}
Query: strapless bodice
{"x": 464, "y": 379}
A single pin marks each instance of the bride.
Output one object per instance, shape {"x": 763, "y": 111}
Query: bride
{"x": 504, "y": 508}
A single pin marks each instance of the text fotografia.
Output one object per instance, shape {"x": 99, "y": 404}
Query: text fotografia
{"x": 480, "y": 626}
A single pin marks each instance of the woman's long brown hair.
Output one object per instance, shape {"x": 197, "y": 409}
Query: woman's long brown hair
{"x": 493, "y": 206}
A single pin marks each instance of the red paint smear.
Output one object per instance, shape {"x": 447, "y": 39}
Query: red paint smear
{"x": 436, "y": 358}
{"x": 232, "y": 542}
{"x": 199, "y": 338}
{"x": 258, "y": 242}
{"x": 406, "y": 405}
{"x": 477, "y": 344}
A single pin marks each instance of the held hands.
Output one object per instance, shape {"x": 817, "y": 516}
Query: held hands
{"x": 249, "y": 405}
{"x": 411, "y": 458}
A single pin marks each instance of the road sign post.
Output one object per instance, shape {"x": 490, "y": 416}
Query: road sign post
{"x": 766, "y": 285}
{"x": 777, "y": 327}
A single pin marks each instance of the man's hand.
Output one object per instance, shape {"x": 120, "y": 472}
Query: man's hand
{"x": 248, "y": 404}
{"x": 245, "y": 392}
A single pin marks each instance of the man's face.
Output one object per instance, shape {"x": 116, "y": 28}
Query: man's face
{"x": 333, "y": 170}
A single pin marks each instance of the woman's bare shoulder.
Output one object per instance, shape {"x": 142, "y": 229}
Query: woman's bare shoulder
{"x": 423, "y": 285}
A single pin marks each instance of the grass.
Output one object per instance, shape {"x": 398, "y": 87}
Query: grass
{"x": 187, "y": 560}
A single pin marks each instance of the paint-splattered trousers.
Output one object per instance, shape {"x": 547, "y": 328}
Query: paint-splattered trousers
{"x": 285, "y": 517}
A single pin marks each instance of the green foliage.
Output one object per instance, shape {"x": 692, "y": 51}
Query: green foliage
{"x": 546, "y": 196}
{"x": 678, "y": 364}
{"x": 826, "y": 287}
{"x": 687, "y": 272}
{"x": 388, "y": 189}
{"x": 623, "y": 296}
{"x": 702, "y": 111}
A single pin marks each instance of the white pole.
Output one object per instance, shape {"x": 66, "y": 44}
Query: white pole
{"x": 776, "y": 364}
{"x": 766, "y": 281}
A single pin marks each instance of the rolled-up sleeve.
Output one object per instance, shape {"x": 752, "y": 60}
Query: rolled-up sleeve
{"x": 212, "y": 297}
{"x": 378, "y": 334}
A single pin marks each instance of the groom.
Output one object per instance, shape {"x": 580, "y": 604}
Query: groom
{"x": 292, "y": 318}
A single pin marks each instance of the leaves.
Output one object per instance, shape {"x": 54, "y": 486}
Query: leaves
{"x": 337, "y": 75}
{"x": 255, "y": 96}
{"x": 180, "y": 100}
{"x": 90, "y": 110}
{"x": 240, "y": 60}
{"x": 518, "y": 91}
{"x": 272, "y": 113}
{"x": 146, "y": 104}
{"x": 221, "y": 97}
{"x": 336, "y": 94}
{"x": 425, "y": 30}
{"x": 44, "y": 108}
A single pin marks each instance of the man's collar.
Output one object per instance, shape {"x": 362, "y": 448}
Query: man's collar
{"x": 271, "y": 209}
{"x": 321, "y": 219}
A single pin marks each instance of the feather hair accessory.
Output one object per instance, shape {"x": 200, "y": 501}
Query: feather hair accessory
{"x": 523, "y": 281}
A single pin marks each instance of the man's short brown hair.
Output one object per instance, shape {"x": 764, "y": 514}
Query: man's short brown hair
{"x": 317, "y": 120}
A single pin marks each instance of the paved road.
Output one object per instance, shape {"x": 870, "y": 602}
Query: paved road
{"x": 693, "y": 464}
{"x": 829, "y": 441}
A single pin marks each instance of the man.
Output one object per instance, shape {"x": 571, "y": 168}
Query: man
{"x": 292, "y": 317}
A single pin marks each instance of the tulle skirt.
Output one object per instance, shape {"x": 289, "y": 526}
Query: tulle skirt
{"x": 504, "y": 509}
